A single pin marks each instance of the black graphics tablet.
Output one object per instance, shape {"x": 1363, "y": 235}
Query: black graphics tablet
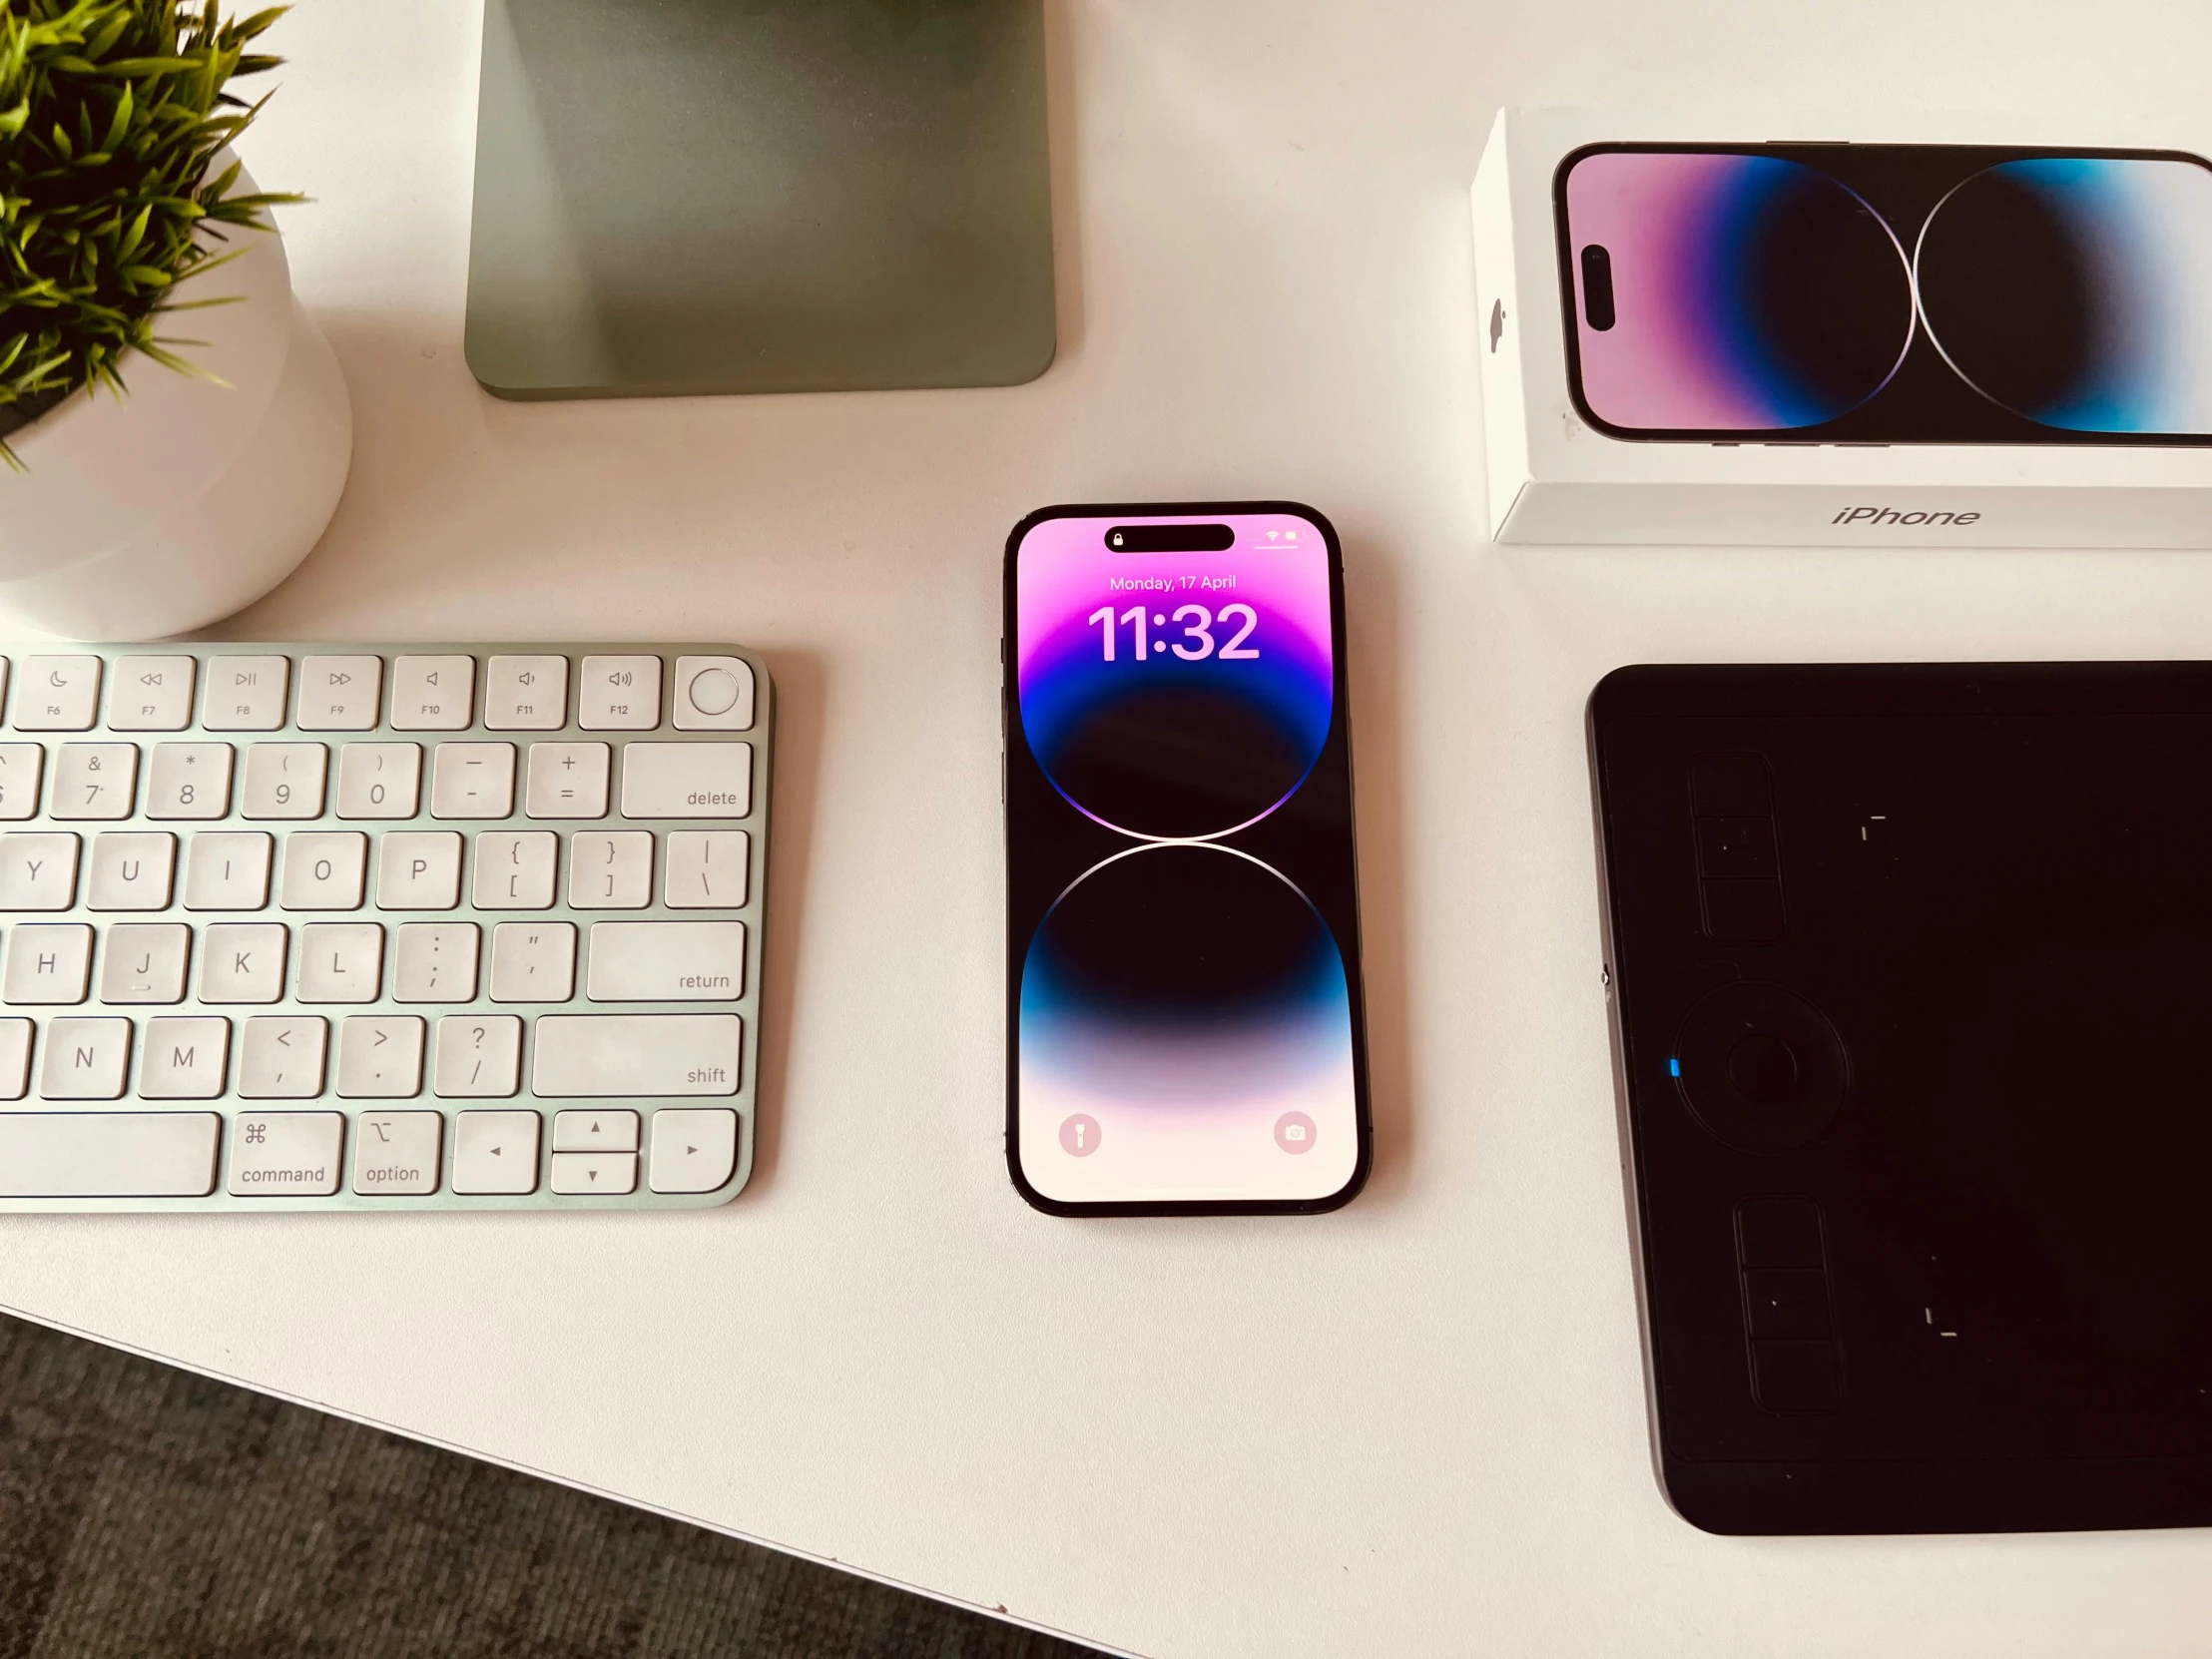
{"x": 1911, "y": 974}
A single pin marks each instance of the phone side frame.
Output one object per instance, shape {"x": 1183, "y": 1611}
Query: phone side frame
{"x": 1016, "y": 948}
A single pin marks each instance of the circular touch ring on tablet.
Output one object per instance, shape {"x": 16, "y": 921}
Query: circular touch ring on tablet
{"x": 1761, "y": 1067}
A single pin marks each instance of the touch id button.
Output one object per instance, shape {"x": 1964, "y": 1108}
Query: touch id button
{"x": 714, "y": 694}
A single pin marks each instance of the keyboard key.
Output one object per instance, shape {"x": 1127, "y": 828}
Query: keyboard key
{"x": 243, "y": 962}
{"x": 396, "y": 1154}
{"x": 94, "y": 780}
{"x": 246, "y": 694}
{"x": 107, "y": 1154}
{"x": 695, "y": 1148}
{"x": 418, "y": 869}
{"x": 284, "y": 779}
{"x": 619, "y": 694}
{"x": 473, "y": 780}
{"x": 132, "y": 869}
{"x": 49, "y": 964}
{"x": 85, "y": 1059}
{"x": 325, "y": 870}
{"x": 495, "y": 1152}
{"x": 595, "y": 1131}
{"x": 144, "y": 963}
{"x": 20, "y": 765}
{"x": 514, "y": 871}
{"x": 479, "y": 1056}
{"x": 57, "y": 694}
{"x": 282, "y": 1056}
{"x": 379, "y": 780}
{"x": 151, "y": 694}
{"x": 187, "y": 781}
{"x": 629, "y": 1055}
{"x": 339, "y": 694}
{"x": 707, "y": 870}
{"x": 15, "y": 1058}
{"x": 341, "y": 961}
{"x": 187, "y": 1058}
{"x": 433, "y": 693}
{"x": 526, "y": 693}
{"x": 595, "y": 1172}
{"x": 228, "y": 869}
{"x": 285, "y": 1154}
{"x": 434, "y": 961}
{"x": 38, "y": 870}
{"x": 568, "y": 779}
{"x": 611, "y": 872}
{"x": 686, "y": 779}
{"x": 381, "y": 1057}
{"x": 666, "y": 962}
{"x": 714, "y": 694}
{"x": 533, "y": 961}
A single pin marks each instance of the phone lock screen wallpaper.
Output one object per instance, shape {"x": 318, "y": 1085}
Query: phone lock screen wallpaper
{"x": 1185, "y": 998}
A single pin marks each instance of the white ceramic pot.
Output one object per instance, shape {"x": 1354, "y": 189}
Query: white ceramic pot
{"x": 151, "y": 514}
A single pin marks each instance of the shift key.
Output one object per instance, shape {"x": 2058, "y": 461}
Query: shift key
{"x": 610, "y": 1056}
{"x": 686, "y": 779}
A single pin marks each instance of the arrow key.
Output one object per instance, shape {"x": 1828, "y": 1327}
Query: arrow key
{"x": 495, "y": 1152}
{"x": 695, "y": 1148}
{"x": 595, "y": 1172}
{"x": 580, "y": 1131}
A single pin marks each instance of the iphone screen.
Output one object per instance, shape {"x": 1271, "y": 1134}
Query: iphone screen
{"x": 1183, "y": 949}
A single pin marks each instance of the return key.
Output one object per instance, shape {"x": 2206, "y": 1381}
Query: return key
{"x": 666, "y": 962}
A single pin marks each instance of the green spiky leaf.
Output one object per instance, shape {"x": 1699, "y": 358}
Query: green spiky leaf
{"x": 111, "y": 111}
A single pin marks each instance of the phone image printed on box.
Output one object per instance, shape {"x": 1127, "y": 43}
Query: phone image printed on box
{"x": 1887, "y": 293}
{"x": 1185, "y": 1020}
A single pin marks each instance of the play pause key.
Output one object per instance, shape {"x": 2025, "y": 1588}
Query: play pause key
{"x": 495, "y": 1152}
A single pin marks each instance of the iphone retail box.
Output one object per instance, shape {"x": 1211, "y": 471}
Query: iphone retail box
{"x": 1918, "y": 330}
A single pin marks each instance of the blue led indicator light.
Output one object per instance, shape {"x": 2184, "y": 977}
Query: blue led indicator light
{"x": 1674, "y": 1068}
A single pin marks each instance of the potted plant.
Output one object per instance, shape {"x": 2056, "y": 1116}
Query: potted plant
{"x": 173, "y": 429}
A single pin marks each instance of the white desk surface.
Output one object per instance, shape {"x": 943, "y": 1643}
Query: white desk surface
{"x": 1414, "y": 1426}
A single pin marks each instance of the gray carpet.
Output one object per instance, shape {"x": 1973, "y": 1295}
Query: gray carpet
{"x": 146, "y": 1510}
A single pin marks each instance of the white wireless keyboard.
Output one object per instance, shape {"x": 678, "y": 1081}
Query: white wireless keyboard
{"x": 369, "y": 928}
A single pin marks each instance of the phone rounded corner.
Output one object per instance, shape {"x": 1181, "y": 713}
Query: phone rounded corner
{"x": 1029, "y": 522}
{"x": 1354, "y": 1184}
{"x": 1575, "y": 158}
{"x": 1598, "y": 423}
{"x": 1312, "y": 514}
{"x": 1030, "y": 1196}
